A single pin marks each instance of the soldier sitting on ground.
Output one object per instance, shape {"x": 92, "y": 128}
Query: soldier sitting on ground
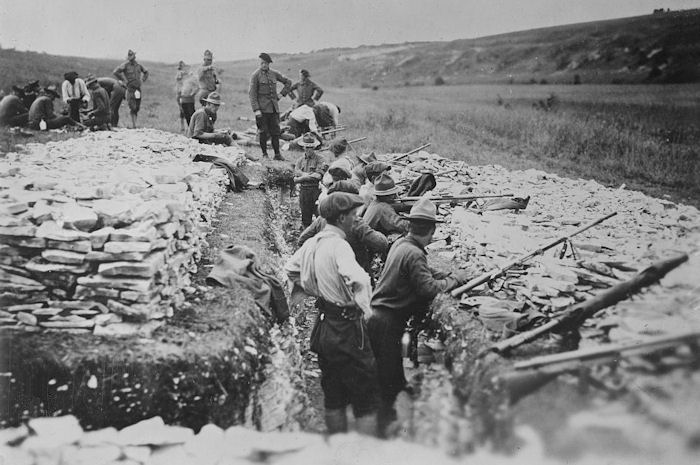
{"x": 12, "y": 110}
{"x": 42, "y": 110}
{"x": 202, "y": 123}
{"x": 99, "y": 116}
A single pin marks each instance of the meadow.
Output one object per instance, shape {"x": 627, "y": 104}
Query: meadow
{"x": 645, "y": 136}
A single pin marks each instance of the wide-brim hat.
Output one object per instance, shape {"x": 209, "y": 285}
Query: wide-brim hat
{"x": 338, "y": 202}
{"x": 423, "y": 210}
{"x": 208, "y": 54}
{"x": 367, "y": 158}
{"x": 340, "y": 168}
{"x": 265, "y": 57}
{"x": 214, "y": 98}
{"x": 338, "y": 146}
{"x": 385, "y": 185}
{"x": 130, "y": 53}
{"x": 51, "y": 90}
{"x": 308, "y": 141}
{"x": 90, "y": 79}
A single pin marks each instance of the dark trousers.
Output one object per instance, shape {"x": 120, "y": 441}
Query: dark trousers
{"x": 385, "y": 333}
{"x": 297, "y": 128}
{"x": 94, "y": 121}
{"x": 269, "y": 128}
{"x": 115, "y": 101}
{"x": 348, "y": 370}
{"x": 74, "y": 109}
{"x": 17, "y": 120}
{"x": 187, "y": 110}
{"x": 54, "y": 123}
{"x": 308, "y": 195}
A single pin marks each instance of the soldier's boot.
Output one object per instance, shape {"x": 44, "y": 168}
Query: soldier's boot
{"x": 263, "y": 144}
{"x": 336, "y": 421}
{"x": 367, "y": 424}
{"x": 385, "y": 416}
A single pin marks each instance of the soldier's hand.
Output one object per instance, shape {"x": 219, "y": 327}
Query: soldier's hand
{"x": 461, "y": 276}
{"x": 258, "y": 113}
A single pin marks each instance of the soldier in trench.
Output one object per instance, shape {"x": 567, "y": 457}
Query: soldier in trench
{"x": 325, "y": 267}
{"x": 406, "y": 288}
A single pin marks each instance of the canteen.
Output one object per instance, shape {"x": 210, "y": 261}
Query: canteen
{"x": 137, "y": 94}
{"x": 42, "y": 125}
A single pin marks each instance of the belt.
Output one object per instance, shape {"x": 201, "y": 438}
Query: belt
{"x": 336, "y": 312}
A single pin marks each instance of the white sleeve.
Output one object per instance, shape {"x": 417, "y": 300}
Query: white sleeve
{"x": 355, "y": 277}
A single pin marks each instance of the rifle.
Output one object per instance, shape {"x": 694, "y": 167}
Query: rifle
{"x": 532, "y": 374}
{"x": 335, "y": 129}
{"x": 452, "y": 198}
{"x": 576, "y": 314}
{"x": 491, "y": 275}
{"x": 399, "y": 157}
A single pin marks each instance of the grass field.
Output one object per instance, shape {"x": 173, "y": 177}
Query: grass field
{"x": 646, "y": 136}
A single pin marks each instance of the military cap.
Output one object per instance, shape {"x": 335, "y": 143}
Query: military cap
{"x": 265, "y": 57}
{"x": 338, "y": 202}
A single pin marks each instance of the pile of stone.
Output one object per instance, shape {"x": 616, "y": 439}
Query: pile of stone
{"x": 103, "y": 231}
{"x": 61, "y": 440}
{"x": 645, "y": 230}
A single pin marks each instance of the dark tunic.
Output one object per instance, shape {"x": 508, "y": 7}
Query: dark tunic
{"x": 406, "y": 288}
{"x": 383, "y": 218}
{"x": 263, "y": 90}
{"x": 306, "y": 90}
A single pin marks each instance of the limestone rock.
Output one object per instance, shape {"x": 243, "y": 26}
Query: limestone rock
{"x": 141, "y": 233}
{"x": 99, "y": 237}
{"x": 27, "y": 318}
{"x": 10, "y": 281}
{"x": 52, "y": 230}
{"x": 122, "y": 247}
{"x": 144, "y": 269}
{"x": 101, "y": 257}
{"x": 40, "y": 267}
{"x": 74, "y": 246}
{"x": 76, "y": 216}
{"x": 23, "y": 231}
{"x": 56, "y": 431}
{"x": 63, "y": 256}
{"x": 133, "y": 284}
{"x": 153, "y": 432}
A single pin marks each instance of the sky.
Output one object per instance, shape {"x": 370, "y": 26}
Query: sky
{"x": 171, "y": 30}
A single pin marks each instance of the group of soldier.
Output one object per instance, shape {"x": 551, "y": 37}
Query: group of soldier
{"x": 362, "y": 313}
{"x": 89, "y": 103}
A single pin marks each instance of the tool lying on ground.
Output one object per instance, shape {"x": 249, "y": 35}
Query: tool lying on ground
{"x": 491, "y": 275}
{"x": 529, "y": 375}
{"x": 399, "y": 157}
{"x": 452, "y": 198}
{"x": 574, "y": 316}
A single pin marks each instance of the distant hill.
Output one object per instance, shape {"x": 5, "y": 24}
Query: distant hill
{"x": 658, "y": 48}
{"x": 663, "y": 47}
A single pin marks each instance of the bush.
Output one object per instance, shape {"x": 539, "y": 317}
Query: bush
{"x": 439, "y": 81}
{"x": 577, "y": 79}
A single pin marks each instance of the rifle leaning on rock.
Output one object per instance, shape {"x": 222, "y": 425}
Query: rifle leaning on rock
{"x": 451, "y": 198}
{"x": 491, "y": 275}
{"x": 575, "y": 315}
{"x": 529, "y": 375}
{"x": 399, "y": 157}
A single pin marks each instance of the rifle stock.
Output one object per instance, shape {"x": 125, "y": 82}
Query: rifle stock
{"x": 486, "y": 277}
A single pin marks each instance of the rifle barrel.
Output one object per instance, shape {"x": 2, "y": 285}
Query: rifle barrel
{"x": 495, "y": 274}
{"x": 579, "y": 312}
{"x": 410, "y": 153}
{"x": 357, "y": 140}
{"x": 453, "y": 197}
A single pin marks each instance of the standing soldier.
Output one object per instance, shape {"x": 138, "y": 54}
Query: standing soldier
{"x": 75, "y": 92}
{"x": 325, "y": 267}
{"x": 182, "y": 73}
{"x": 306, "y": 89}
{"x": 129, "y": 73}
{"x": 264, "y": 100}
{"x": 405, "y": 289}
{"x": 308, "y": 172}
{"x": 116, "y": 91}
{"x": 206, "y": 76}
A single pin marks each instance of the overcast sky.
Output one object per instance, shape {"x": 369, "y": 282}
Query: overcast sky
{"x": 170, "y": 30}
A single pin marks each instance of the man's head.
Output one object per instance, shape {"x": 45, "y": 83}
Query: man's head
{"x": 385, "y": 188}
{"x": 51, "y": 91}
{"x": 181, "y": 65}
{"x": 308, "y": 142}
{"x": 340, "y": 209}
{"x": 340, "y": 169}
{"x": 374, "y": 169}
{"x": 423, "y": 217}
{"x": 343, "y": 186}
{"x": 91, "y": 81}
{"x": 265, "y": 61}
{"x": 208, "y": 57}
{"x": 338, "y": 146}
{"x": 70, "y": 76}
{"x": 213, "y": 102}
{"x": 131, "y": 55}
{"x": 304, "y": 74}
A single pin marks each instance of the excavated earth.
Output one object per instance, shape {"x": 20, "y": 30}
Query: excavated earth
{"x": 221, "y": 360}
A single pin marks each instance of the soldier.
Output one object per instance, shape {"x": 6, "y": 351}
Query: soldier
{"x": 308, "y": 172}
{"x": 406, "y": 288}
{"x": 202, "y": 123}
{"x": 129, "y": 73}
{"x": 264, "y": 100}
{"x": 309, "y": 91}
{"x": 380, "y": 215}
{"x": 325, "y": 267}
{"x": 206, "y": 77}
{"x": 42, "y": 109}
{"x": 116, "y": 91}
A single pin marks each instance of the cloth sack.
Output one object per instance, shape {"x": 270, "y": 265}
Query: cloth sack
{"x": 237, "y": 264}
{"x": 237, "y": 180}
{"x": 422, "y": 184}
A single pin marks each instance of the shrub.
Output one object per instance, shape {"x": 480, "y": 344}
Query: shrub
{"x": 439, "y": 81}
